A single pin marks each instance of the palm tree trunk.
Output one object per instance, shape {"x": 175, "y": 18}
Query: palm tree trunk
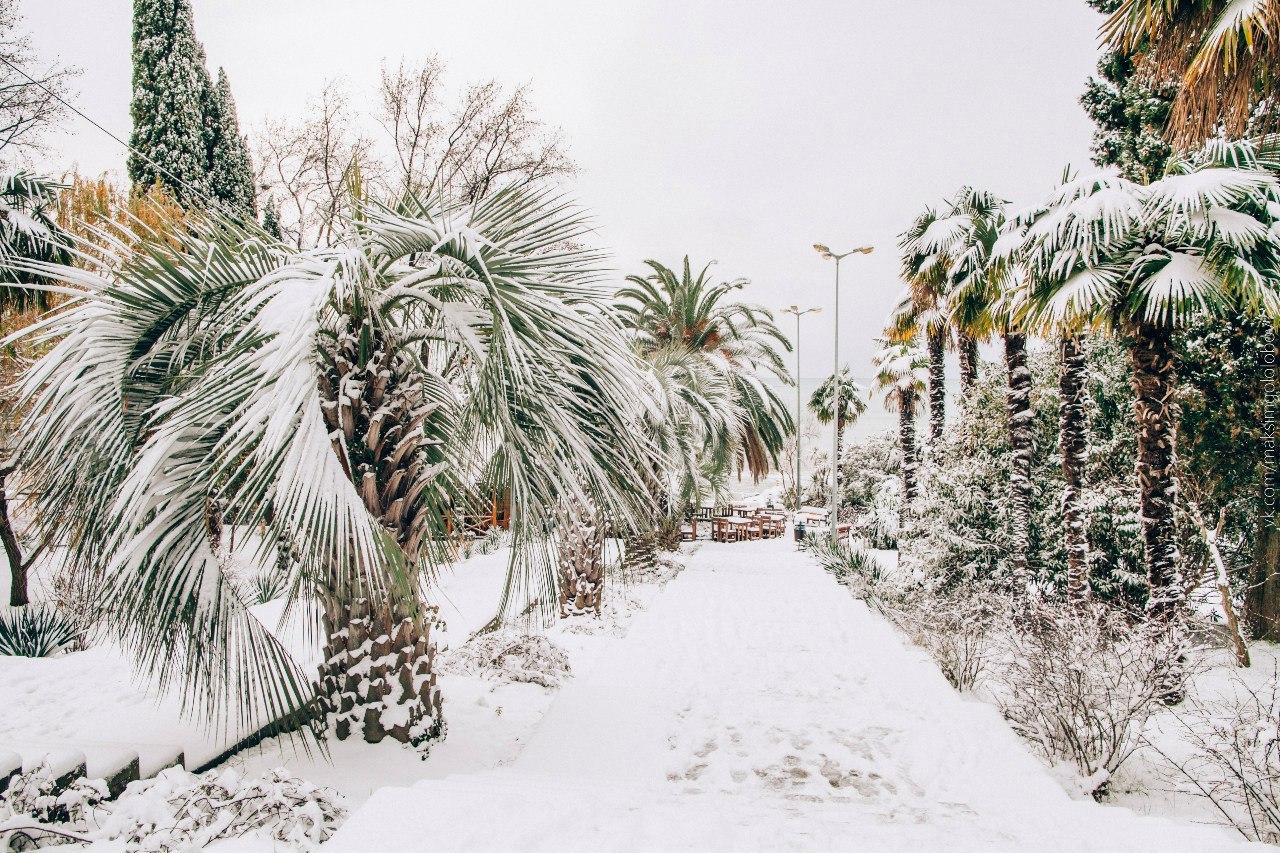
{"x": 1018, "y": 404}
{"x": 378, "y": 676}
{"x": 968, "y": 346}
{"x": 1154, "y": 378}
{"x": 907, "y": 438}
{"x": 581, "y": 541}
{"x": 937, "y": 383}
{"x": 1073, "y": 440}
{"x": 1262, "y": 600}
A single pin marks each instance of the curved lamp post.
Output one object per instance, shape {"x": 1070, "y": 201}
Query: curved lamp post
{"x": 829, "y": 255}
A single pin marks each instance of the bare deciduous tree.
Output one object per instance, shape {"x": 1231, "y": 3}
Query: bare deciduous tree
{"x": 32, "y": 94}
{"x": 310, "y": 165}
{"x": 488, "y": 137}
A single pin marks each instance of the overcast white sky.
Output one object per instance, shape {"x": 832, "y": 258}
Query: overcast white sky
{"x": 731, "y": 130}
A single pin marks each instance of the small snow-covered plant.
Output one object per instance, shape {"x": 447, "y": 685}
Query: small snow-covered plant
{"x": 36, "y": 631}
{"x": 1080, "y": 684}
{"x": 264, "y": 586}
{"x": 502, "y": 655}
{"x": 494, "y": 540}
{"x": 1234, "y": 758}
{"x": 850, "y": 565}
{"x": 958, "y": 629}
{"x": 37, "y": 795}
{"x": 179, "y": 811}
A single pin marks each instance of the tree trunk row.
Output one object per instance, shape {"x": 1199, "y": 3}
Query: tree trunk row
{"x": 1074, "y": 444}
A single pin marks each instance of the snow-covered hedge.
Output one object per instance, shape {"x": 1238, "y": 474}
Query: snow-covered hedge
{"x": 175, "y": 811}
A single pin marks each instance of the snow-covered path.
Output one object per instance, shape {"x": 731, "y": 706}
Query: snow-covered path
{"x": 756, "y": 706}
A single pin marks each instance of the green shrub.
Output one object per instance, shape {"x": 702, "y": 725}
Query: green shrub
{"x": 36, "y": 631}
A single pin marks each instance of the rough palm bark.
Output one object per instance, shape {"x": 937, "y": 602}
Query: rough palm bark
{"x": 907, "y": 440}
{"x": 378, "y": 676}
{"x": 968, "y": 350}
{"x": 1074, "y": 446}
{"x": 937, "y": 383}
{"x": 581, "y": 546}
{"x": 1154, "y": 379}
{"x": 1262, "y": 599}
{"x": 1263, "y": 596}
{"x": 1018, "y": 403}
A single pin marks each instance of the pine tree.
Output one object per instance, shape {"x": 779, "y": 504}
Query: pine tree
{"x": 230, "y": 169}
{"x": 170, "y": 82}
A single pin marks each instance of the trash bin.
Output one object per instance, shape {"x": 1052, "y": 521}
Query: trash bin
{"x": 799, "y": 530}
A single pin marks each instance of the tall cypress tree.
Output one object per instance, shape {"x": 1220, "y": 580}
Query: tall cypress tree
{"x": 170, "y": 84}
{"x": 230, "y": 169}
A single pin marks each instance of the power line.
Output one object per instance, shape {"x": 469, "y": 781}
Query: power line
{"x": 195, "y": 191}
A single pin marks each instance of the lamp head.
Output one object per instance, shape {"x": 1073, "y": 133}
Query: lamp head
{"x": 866, "y": 250}
{"x": 821, "y": 249}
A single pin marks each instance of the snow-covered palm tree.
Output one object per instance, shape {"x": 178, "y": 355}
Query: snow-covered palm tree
{"x": 901, "y": 377}
{"x": 739, "y": 340}
{"x": 853, "y": 404}
{"x": 28, "y": 231}
{"x": 1144, "y": 262}
{"x": 928, "y": 252}
{"x": 1225, "y": 55}
{"x": 346, "y": 401}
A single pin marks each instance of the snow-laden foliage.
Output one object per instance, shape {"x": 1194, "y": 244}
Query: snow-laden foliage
{"x": 348, "y": 399}
{"x": 851, "y": 565}
{"x": 958, "y": 532}
{"x": 37, "y": 630}
{"x": 507, "y": 656}
{"x": 1081, "y": 684}
{"x": 176, "y": 811}
{"x": 36, "y": 794}
{"x": 1229, "y": 752}
{"x": 959, "y": 628}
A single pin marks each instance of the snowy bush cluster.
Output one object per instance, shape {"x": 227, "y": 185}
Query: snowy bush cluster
{"x": 509, "y": 656}
{"x": 175, "y": 811}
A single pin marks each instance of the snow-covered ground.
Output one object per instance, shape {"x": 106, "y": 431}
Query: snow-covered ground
{"x": 756, "y": 706}
{"x": 749, "y": 704}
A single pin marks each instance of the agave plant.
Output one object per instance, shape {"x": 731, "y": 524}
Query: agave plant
{"x": 1143, "y": 262}
{"x": 344, "y": 398}
{"x": 36, "y": 631}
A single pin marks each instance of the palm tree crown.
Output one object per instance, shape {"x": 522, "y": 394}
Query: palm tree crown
{"x": 739, "y": 341}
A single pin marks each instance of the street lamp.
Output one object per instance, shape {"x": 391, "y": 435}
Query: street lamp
{"x": 829, "y": 255}
{"x": 795, "y": 309}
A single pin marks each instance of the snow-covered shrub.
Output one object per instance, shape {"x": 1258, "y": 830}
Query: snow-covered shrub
{"x": 1081, "y": 685}
{"x": 958, "y": 629}
{"x": 850, "y": 565}
{"x": 958, "y": 531}
{"x": 507, "y": 656}
{"x": 179, "y": 811}
{"x": 36, "y": 631}
{"x": 36, "y": 794}
{"x": 871, "y": 472}
{"x": 1234, "y": 758}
